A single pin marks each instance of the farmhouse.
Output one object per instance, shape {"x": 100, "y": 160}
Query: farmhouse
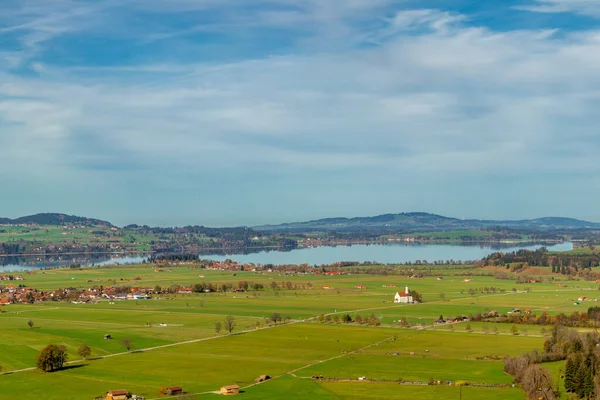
{"x": 230, "y": 389}
{"x": 360, "y": 286}
{"x": 120, "y": 394}
{"x": 403, "y": 297}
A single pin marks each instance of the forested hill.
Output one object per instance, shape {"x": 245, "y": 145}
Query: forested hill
{"x": 403, "y": 222}
{"x": 423, "y": 222}
{"x": 55, "y": 219}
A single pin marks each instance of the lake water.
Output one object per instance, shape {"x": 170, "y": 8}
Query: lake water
{"x": 385, "y": 253}
{"x": 382, "y": 253}
{"x": 29, "y": 263}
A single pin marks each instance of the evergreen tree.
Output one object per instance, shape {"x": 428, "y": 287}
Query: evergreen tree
{"x": 570, "y": 375}
{"x": 587, "y": 390}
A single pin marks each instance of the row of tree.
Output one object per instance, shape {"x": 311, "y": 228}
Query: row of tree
{"x": 347, "y": 319}
{"x": 575, "y": 319}
{"x": 542, "y": 258}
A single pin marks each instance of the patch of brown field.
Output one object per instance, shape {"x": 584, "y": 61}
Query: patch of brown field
{"x": 537, "y": 271}
{"x": 499, "y": 268}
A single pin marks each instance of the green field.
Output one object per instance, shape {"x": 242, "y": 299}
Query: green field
{"x": 188, "y": 351}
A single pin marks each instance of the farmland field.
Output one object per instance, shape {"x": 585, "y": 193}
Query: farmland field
{"x": 174, "y": 340}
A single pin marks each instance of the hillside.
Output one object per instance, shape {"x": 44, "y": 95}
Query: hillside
{"x": 54, "y": 219}
{"x": 423, "y": 222}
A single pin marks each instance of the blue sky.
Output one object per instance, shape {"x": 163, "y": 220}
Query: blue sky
{"x": 230, "y": 112}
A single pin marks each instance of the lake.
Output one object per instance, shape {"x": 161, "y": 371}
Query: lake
{"x": 382, "y": 253}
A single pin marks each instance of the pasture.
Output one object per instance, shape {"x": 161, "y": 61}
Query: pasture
{"x": 175, "y": 341}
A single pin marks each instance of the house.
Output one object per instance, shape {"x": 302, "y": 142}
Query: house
{"x": 137, "y": 296}
{"x": 582, "y": 298}
{"x": 360, "y": 286}
{"x": 230, "y": 390}
{"x": 120, "y": 394}
{"x": 390, "y": 285}
{"x": 328, "y": 287}
{"x": 174, "y": 390}
{"x": 403, "y": 297}
{"x": 492, "y": 314}
{"x": 467, "y": 279}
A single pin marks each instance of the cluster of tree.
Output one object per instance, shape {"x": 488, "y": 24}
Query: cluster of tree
{"x": 582, "y": 370}
{"x": 229, "y": 324}
{"x": 51, "y": 358}
{"x": 347, "y": 318}
{"x": 534, "y": 380}
{"x": 174, "y": 257}
{"x": 581, "y": 374}
{"x": 208, "y": 287}
{"x": 575, "y": 319}
{"x": 542, "y": 258}
{"x": 485, "y": 290}
{"x": 11, "y": 248}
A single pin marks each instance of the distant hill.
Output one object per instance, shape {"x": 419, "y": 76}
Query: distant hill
{"x": 54, "y": 219}
{"x": 422, "y": 222}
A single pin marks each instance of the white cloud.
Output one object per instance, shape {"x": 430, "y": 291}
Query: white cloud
{"x": 583, "y": 7}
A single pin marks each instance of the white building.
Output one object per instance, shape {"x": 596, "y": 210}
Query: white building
{"x": 403, "y": 297}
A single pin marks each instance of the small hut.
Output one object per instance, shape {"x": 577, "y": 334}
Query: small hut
{"x": 174, "y": 390}
{"x": 262, "y": 378}
{"x": 230, "y": 390}
{"x": 120, "y": 394}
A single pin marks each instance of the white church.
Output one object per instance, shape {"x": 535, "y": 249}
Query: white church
{"x": 403, "y": 297}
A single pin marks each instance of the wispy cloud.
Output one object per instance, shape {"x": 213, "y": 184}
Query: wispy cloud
{"x": 583, "y": 7}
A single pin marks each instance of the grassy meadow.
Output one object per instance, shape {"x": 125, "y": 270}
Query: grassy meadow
{"x": 189, "y": 352}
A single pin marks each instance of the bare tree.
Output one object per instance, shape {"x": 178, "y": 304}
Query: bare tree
{"x": 537, "y": 383}
{"x": 127, "y": 343}
{"x": 230, "y": 323}
{"x": 30, "y": 323}
{"x": 218, "y": 327}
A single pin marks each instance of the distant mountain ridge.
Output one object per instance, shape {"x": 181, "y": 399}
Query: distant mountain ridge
{"x": 423, "y": 222}
{"x": 402, "y": 222}
{"x": 54, "y": 219}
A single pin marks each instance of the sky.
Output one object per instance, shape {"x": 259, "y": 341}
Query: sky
{"x": 244, "y": 112}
